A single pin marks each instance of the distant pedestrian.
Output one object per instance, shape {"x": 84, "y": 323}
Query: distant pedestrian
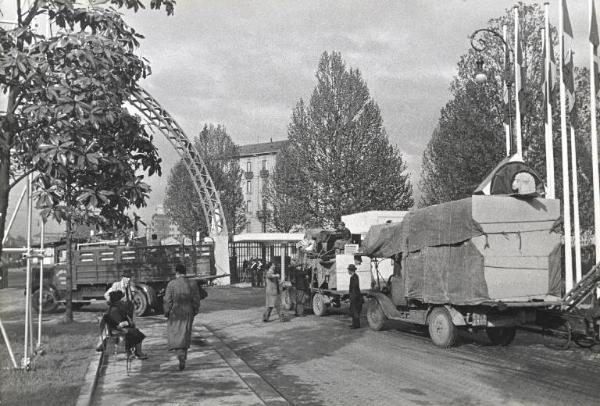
{"x": 125, "y": 285}
{"x": 272, "y": 293}
{"x": 356, "y": 298}
{"x": 181, "y": 304}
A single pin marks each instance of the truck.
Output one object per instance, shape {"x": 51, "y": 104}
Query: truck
{"x": 486, "y": 262}
{"x": 97, "y": 266}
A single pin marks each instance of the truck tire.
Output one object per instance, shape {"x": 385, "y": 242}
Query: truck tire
{"x": 375, "y": 316}
{"x": 442, "y": 331}
{"x": 318, "y": 305}
{"x": 140, "y": 303}
{"x": 501, "y": 335}
{"x": 49, "y": 300}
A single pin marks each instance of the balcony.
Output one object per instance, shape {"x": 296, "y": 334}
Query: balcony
{"x": 249, "y": 175}
{"x": 264, "y": 173}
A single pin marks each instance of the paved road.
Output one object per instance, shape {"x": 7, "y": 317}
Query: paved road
{"x": 320, "y": 361}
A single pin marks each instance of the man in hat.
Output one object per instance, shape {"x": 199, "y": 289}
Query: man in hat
{"x": 356, "y": 298}
{"x": 125, "y": 286}
{"x": 181, "y": 304}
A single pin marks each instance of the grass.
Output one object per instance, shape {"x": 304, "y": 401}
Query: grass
{"x": 57, "y": 376}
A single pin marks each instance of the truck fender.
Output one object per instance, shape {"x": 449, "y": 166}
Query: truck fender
{"x": 150, "y": 293}
{"x": 385, "y": 302}
{"x": 457, "y": 317}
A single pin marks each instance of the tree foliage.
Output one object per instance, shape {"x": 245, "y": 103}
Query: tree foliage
{"x": 182, "y": 202}
{"x": 469, "y": 139}
{"x": 339, "y": 159}
{"x": 65, "y": 118}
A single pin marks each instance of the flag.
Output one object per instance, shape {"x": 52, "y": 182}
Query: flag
{"x": 549, "y": 72}
{"x": 595, "y": 41}
{"x": 567, "y": 62}
{"x": 521, "y": 75}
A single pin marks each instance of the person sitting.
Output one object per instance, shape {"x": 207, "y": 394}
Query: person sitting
{"x": 123, "y": 286}
{"x": 118, "y": 319}
{"x": 344, "y": 236}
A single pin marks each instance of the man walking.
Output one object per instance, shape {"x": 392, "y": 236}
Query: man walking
{"x": 356, "y": 298}
{"x": 272, "y": 293}
{"x": 181, "y": 304}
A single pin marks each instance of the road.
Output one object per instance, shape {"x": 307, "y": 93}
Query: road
{"x": 320, "y": 361}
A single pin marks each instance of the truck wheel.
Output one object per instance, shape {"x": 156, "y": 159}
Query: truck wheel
{"x": 375, "y": 315}
{"x": 442, "y": 331}
{"x": 318, "y": 305}
{"x": 501, "y": 335}
{"x": 140, "y": 303}
{"x": 49, "y": 300}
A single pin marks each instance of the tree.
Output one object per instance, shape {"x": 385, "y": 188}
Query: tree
{"x": 182, "y": 202}
{"x": 65, "y": 118}
{"x": 469, "y": 139}
{"x": 339, "y": 159}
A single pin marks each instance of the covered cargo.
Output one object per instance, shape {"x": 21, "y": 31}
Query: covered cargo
{"x": 474, "y": 250}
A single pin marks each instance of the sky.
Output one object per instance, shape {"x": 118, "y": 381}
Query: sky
{"x": 246, "y": 63}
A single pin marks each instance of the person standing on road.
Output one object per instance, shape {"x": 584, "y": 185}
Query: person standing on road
{"x": 181, "y": 304}
{"x": 124, "y": 286}
{"x": 272, "y": 293}
{"x": 356, "y": 298}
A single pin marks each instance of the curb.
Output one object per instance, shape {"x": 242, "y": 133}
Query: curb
{"x": 86, "y": 394}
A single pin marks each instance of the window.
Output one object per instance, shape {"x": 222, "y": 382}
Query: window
{"x": 249, "y": 186}
{"x": 249, "y": 206}
{"x": 248, "y": 166}
{"x": 264, "y": 165}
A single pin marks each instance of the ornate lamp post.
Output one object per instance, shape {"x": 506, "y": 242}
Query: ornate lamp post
{"x": 481, "y": 42}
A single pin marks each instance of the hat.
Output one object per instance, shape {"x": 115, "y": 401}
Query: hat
{"x": 126, "y": 273}
{"x": 180, "y": 268}
{"x": 115, "y": 296}
{"x": 352, "y": 267}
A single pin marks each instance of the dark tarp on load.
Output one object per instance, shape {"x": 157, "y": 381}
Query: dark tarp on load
{"x": 441, "y": 224}
{"x": 439, "y": 262}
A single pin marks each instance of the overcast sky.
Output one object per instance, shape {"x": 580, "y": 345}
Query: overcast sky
{"x": 245, "y": 64}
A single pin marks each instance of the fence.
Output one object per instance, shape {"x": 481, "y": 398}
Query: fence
{"x": 243, "y": 254}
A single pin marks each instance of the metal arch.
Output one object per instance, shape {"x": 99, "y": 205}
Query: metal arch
{"x": 162, "y": 121}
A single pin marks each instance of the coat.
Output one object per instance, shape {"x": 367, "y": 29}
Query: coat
{"x": 271, "y": 289}
{"x": 356, "y": 298}
{"x": 117, "y": 313}
{"x": 181, "y": 304}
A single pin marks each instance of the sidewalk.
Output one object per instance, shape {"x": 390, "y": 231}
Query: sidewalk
{"x": 214, "y": 374}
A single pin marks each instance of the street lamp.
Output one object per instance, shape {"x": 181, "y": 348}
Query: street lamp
{"x": 480, "y": 42}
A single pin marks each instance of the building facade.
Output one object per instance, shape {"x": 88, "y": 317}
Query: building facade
{"x": 162, "y": 226}
{"x": 257, "y": 162}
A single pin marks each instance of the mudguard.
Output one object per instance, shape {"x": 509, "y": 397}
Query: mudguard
{"x": 457, "y": 318}
{"x": 386, "y": 304}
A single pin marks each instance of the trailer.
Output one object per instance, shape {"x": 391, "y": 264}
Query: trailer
{"x": 487, "y": 262}
{"x": 97, "y": 266}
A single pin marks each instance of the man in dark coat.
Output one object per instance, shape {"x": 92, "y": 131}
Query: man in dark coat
{"x": 356, "y": 298}
{"x": 181, "y": 304}
{"x": 118, "y": 319}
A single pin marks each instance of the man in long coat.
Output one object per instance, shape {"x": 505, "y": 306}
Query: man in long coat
{"x": 272, "y": 293}
{"x": 181, "y": 304}
{"x": 356, "y": 298}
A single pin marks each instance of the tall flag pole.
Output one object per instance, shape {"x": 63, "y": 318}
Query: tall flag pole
{"x": 505, "y": 92}
{"x": 519, "y": 86}
{"x": 594, "y": 87}
{"x": 549, "y": 83}
{"x": 564, "y": 24}
{"x": 576, "y": 227}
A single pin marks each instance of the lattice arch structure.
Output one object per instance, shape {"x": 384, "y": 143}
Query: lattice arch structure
{"x": 159, "y": 119}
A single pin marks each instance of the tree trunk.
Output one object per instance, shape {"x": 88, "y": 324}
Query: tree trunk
{"x": 69, "y": 293}
{"x": 7, "y": 129}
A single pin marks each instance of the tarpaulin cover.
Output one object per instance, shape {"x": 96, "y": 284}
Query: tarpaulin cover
{"x": 441, "y": 224}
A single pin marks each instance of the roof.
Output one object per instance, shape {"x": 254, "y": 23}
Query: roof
{"x": 263, "y": 148}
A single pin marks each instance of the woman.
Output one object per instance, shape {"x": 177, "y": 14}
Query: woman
{"x": 118, "y": 319}
{"x": 272, "y": 292}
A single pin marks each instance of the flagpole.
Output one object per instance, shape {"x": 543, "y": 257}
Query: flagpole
{"x": 506, "y": 90}
{"x": 565, "y": 158}
{"x": 517, "y": 86}
{"x": 595, "y": 176}
{"x": 576, "y": 228}
{"x": 551, "y": 188}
